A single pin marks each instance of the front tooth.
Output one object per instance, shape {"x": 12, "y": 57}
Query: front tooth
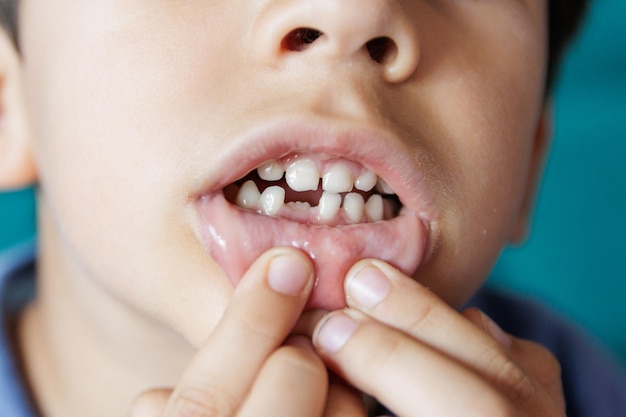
{"x": 366, "y": 181}
{"x": 272, "y": 200}
{"x": 248, "y": 195}
{"x": 338, "y": 179}
{"x": 354, "y": 207}
{"x": 271, "y": 171}
{"x": 383, "y": 187}
{"x": 329, "y": 206}
{"x": 374, "y": 208}
{"x": 303, "y": 175}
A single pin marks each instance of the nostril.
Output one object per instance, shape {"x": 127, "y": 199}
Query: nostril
{"x": 382, "y": 49}
{"x": 299, "y": 39}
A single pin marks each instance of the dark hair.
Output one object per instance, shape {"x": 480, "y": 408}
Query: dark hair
{"x": 8, "y": 17}
{"x": 565, "y": 18}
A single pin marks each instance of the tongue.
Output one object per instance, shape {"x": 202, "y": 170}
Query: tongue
{"x": 235, "y": 238}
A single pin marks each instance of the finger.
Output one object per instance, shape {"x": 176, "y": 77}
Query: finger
{"x": 387, "y": 295}
{"x": 410, "y": 378}
{"x": 542, "y": 365}
{"x": 150, "y": 403}
{"x": 293, "y": 382}
{"x": 534, "y": 359}
{"x": 307, "y": 322}
{"x": 344, "y": 400}
{"x": 264, "y": 307}
{"x": 485, "y": 323}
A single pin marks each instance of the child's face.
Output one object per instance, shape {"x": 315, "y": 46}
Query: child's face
{"x": 143, "y": 112}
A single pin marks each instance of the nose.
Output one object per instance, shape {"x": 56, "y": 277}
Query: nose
{"x": 379, "y": 30}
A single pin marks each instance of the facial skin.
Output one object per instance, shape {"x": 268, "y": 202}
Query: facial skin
{"x": 132, "y": 106}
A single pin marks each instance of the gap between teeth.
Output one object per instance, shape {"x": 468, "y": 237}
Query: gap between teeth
{"x": 272, "y": 200}
{"x": 304, "y": 175}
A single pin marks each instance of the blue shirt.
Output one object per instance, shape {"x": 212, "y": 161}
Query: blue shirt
{"x": 593, "y": 382}
{"x": 16, "y": 288}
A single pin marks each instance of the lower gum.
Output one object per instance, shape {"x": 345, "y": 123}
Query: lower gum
{"x": 235, "y": 238}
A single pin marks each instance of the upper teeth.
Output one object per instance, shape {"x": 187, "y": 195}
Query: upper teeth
{"x": 271, "y": 171}
{"x": 383, "y": 187}
{"x": 366, "y": 181}
{"x": 304, "y": 174}
{"x": 338, "y": 179}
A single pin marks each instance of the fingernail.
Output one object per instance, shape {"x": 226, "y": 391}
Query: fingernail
{"x": 368, "y": 287}
{"x": 335, "y": 332}
{"x": 496, "y": 331}
{"x": 288, "y": 275}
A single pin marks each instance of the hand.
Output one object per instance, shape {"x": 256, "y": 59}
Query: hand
{"x": 400, "y": 343}
{"x": 246, "y": 368}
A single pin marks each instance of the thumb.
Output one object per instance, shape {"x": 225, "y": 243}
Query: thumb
{"x": 150, "y": 403}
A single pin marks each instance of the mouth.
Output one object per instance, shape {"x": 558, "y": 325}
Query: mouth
{"x": 339, "y": 193}
{"x": 315, "y": 191}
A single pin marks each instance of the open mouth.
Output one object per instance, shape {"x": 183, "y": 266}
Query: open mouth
{"x": 321, "y": 188}
{"x": 308, "y": 189}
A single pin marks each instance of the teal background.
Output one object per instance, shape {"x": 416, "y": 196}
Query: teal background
{"x": 17, "y": 217}
{"x": 575, "y": 256}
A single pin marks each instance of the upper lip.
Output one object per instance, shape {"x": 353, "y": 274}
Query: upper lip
{"x": 376, "y": 149}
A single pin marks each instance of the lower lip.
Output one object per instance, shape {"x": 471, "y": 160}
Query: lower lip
{"x": 235, "y": 238}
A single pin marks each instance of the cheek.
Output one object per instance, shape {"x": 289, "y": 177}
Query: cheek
{"x": 110, "y": 151}
{"x": 112, "y": 157}
{"x": 489, "y": 95}
{"x": 483, "y": 198}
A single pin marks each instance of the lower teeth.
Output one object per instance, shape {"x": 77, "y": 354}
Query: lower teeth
{"x": 331, "y": 208}
{"x": 328, "y": 207}
{"x": 354, "y": 207}
{"x": 272, "y": 200}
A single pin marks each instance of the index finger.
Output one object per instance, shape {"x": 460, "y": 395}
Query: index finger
{"x": 265, "y": 306}
{"x": 387, "y": 295}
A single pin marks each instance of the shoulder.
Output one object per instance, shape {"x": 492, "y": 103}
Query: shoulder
{"x": 594, "y": 382}
{"x": 14, "y": 260}
{"x": 16, "y": 278}
{"x": 17, "y": 271}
